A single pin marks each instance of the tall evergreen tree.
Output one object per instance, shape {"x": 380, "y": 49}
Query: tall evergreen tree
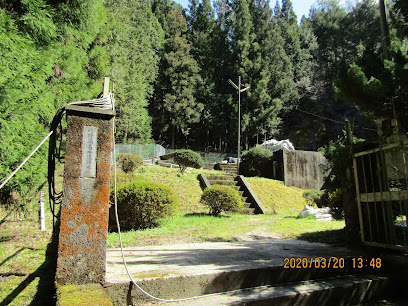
{"x": 174, "y": 107}
{"x": 328, "y": 19}
{"x": 136, "y": 41}
{"x": 51, "y": 55}
{"x": 203, "y": 32}
{"x": 379, "y": 84}
{"x": 274, "y": 88}
{"x": 299, "y": 46}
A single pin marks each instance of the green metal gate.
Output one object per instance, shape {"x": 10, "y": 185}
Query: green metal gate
{"x": 381, "y": 177}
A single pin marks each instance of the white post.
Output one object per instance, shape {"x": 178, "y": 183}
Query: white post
{"x": 239, "y": 116}
{"x": 239, "y": 123}
{"x": 42, "y": 214}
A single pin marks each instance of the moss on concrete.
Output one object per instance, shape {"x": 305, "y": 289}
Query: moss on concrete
{"x": 90, "y": 294}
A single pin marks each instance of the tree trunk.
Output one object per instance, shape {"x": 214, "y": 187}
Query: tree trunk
{"x": 172, "y": 136}
{"x": 207, "y": 142}
{"x": 246, "y": 140}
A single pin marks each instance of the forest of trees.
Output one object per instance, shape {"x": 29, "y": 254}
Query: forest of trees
{"x": 171, "y": 68}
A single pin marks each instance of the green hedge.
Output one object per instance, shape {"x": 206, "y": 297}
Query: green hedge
{"x": 129, "y": 162}
{"x": 141, "y": 204}
{"x": 256, "y": 162}
{"x": 188, "y": 158}
{"x": 221, "y": 198}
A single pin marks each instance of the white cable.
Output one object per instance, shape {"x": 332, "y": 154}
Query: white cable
{"x": 25, "y": 160}
{"x": 123, "y": 254}
{"x": 103, "y": 103}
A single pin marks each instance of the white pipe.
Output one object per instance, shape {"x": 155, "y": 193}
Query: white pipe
{"x": 42, "y": 214}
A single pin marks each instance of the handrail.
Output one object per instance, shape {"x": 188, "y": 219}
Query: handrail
{"x": 259, "y": 209}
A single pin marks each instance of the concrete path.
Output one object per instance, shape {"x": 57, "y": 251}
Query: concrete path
{"x": 176, "y": 260}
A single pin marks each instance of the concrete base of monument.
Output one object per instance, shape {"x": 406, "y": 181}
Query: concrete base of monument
{"x": 188, "y": 270}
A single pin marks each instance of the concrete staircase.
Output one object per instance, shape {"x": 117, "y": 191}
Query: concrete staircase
{"x": 157, "y": 161}
{"x": 252, "y": 205}
{"x": 229, "y": 180}
{"x": 247, "y": 273}
{"x": 231, "y": 169}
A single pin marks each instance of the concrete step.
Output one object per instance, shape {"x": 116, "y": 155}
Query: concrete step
{"x": 223, "y": 182}
{"x": 229, "y": 168}
{"x": 248, "y": 211}
{"x": 181, "y": 271}
{"x": 230, "y": 172}
{"x": 167, "y": 164}
{"x": 226, "y": 165}
{"x": 221, "y": 177}
{"x": 346, "y": 290}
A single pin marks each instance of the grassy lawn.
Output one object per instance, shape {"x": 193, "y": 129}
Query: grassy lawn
{"x": 201, "y": 228}
{"x": 26, "y": 277}
{"x": 274, "y": 195}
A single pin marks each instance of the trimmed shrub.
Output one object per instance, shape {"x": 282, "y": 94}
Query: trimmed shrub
{"x": 129, "y": 162}
{"x": 188, "y": 158}
{"x": 256, "y": 162}
{"x": 141, "y": 204}
{"x": 221, "y": 198}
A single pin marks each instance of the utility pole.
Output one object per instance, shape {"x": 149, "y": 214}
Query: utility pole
{"x": 239, "y": 116}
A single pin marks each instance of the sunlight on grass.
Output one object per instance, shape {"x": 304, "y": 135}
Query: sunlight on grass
{"x": 276, "y": 197}
{"x": 273, "y": 194}
{"x": 292, "y": 227}
{"x": 22, "y": 252}
{"x": 200, "y": 228}
{"x": 193, "y": 224}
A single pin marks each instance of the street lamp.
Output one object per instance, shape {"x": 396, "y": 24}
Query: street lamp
{"x": 239, "y": 115}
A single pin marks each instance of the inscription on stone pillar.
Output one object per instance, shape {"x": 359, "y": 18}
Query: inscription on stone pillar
{"x": 89, "y": 144}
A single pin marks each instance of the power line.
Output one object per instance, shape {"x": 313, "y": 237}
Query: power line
{"x": 333, "y": 120}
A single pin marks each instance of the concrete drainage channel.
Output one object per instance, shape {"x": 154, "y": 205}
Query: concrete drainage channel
{"x": 258, "y": 267}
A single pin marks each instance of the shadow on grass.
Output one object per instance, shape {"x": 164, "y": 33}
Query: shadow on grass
{"x": 15, "y": 253}
{"x": 205, "y": 215}
{"x": 5, "y": 218}
{"x": 336, "y": 237}
{"x": 46, "y": 292}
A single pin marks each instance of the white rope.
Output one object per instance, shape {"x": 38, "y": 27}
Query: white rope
{"x": 103, "y": 103}
{"x": 25, "y": 160}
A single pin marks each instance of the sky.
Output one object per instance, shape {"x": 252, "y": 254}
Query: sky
{"x": 301, "y": 7}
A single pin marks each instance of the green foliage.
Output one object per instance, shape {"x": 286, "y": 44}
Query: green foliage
{"x": 332, "y": 153}
{"x": 340, "y": 33}
{"x": 188, "y": 158}
{"x": 141, "y": 204}
{"x": 173, "y": 104}
{"x": 129, "y": 162}
{"x": 134, "y": 47}
{"x": 256, "y": 162}
{"x": 335, "y": 202}
{"x": 314, "y": 197}
{"x": 51, "y": 55}
{"x": 221, "y": 198}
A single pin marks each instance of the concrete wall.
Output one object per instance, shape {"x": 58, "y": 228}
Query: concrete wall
{"x": 303, "y": 169}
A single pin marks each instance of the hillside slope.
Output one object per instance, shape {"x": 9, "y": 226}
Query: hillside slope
{"x": 274, "y": 195}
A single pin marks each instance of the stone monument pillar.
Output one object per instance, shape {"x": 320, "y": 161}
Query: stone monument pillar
{"x": 85, "y": 206}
